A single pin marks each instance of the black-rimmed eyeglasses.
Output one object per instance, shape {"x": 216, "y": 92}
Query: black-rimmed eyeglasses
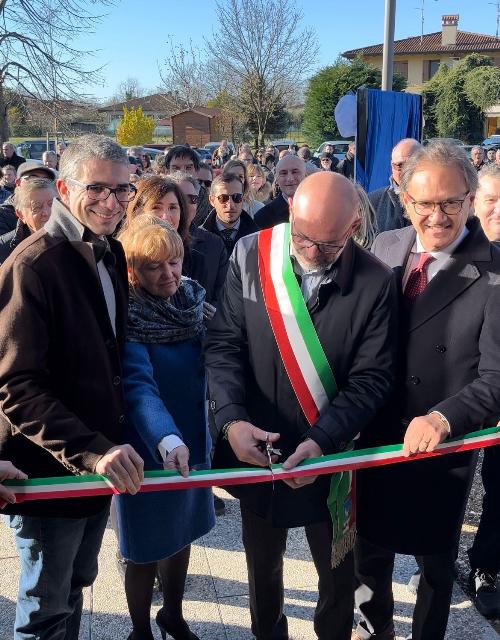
{"x": 100, "y": 192}
{"x": 449, "y": 207}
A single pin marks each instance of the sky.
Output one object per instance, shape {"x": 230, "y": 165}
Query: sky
{"x": 131, "y": 40}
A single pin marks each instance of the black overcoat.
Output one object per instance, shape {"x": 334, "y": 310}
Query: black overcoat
{"x": 272, "y": 213}
{"x": 354, "y": 316}
{"x": 449, "y": 362}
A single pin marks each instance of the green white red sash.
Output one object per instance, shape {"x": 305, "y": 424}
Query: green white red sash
{"x": 305, "y": 362}
{"x": 306, "y": 365}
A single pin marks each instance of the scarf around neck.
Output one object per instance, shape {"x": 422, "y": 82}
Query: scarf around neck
{"x": 155, "y": 320}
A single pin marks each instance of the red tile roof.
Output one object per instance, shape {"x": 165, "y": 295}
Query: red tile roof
{"x": 161, "y": 103}
{"x": 204, "y": 111}
{"x": 431, "y": 43}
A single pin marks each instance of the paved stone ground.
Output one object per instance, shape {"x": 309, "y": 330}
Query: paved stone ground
{"x": 216, "y": 603}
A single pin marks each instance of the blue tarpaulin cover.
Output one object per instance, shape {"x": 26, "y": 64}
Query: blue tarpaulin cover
{"x": 389, "y": 116}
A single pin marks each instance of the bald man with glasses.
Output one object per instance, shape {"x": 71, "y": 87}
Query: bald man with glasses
{"x": 309, "y": 273}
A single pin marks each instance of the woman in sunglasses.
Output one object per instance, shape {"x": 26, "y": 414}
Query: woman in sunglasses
{"x": 210, "y": 271}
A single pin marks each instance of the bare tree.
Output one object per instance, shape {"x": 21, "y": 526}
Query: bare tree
{"x": 128, "y": 89}
{"x": 183, "y": 75}
{"x": 261, "y": 47}
{"x": 37, "y": 56}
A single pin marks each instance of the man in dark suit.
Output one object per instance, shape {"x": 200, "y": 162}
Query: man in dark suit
{"x": 389, "y": 211}
{"x": 350, "y": 299}
{"x": 289, "y": 173}
{"x": 448, "y": 384}
{"x": 228, "y": 220}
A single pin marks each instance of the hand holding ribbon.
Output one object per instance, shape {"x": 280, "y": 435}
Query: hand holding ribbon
{"x": 305, "y": 450}
{"x": 9, "y": 472}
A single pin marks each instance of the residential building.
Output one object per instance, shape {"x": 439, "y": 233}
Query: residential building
{"x": 418, "y": 58}
{"x": 158, "y": 105}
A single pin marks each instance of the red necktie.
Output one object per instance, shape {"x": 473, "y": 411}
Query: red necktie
{"x": 417, "y": 280}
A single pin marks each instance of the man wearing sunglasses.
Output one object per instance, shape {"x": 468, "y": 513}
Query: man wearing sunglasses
{"x": 228, "y": 220}
{"x": 310, "y": 275}
{"x": 63, "y": 315}
{"x": 448, "y": 384}
{"x": 389, "y": 211}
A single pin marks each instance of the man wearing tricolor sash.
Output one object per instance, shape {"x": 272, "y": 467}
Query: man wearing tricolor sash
{"x": 300, "y": 357}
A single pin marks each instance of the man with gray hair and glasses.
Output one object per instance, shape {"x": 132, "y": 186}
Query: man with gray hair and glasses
{"x": 448, "y": 384}
{"x": 63, "y": 313}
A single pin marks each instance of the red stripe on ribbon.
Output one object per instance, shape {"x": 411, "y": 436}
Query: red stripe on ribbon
{"x": 209, "y": 481}
{"x": 292, "y": 367}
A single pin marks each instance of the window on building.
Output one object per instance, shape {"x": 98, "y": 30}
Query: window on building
{"x": 401, "y": 66}
{"x": 430, "y": 68}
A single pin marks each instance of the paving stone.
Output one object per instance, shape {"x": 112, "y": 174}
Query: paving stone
{"x": 216, "y": 602}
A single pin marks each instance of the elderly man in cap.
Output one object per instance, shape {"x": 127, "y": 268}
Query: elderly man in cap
{"x": 289, "y": 173}
{"x": 448, "y": 384}
{"x": 26, "y": 171}
{"x": 268, "y": 392}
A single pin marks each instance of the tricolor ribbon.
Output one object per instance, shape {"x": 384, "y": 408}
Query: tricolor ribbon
{"x": 96, "y": 485}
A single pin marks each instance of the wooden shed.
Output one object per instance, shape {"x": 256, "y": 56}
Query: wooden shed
{"x": 197, "y": 126}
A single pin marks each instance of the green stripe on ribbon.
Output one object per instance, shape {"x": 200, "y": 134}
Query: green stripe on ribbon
{"x": 391, "y": 448}
{"x": 305, "y": 322}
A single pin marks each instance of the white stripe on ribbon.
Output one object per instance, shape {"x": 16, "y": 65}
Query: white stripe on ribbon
{"x": 223, "y": 477}
{"x": 306, "y": 364}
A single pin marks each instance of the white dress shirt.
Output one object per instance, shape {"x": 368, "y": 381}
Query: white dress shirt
{"x": 441, "y": 257}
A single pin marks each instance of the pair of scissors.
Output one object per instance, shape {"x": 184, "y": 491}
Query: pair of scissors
{"x": 271, "y": 451}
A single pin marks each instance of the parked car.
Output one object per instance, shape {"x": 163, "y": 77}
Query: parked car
{"x": 456, "y": 141}
{"x": 205, "y": 155}
{"x": 34, "y": 149}
{"x": 492, "y": 141}
{"x": 339, "y": 148}
{"x": 282, "y": 144}
{"x": 152, "y": 153}
{"x": 212, "y": 146}
{"x": 164, "y": 147}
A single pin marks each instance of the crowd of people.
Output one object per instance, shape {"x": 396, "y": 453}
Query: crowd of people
{"x": 178, "y": 315}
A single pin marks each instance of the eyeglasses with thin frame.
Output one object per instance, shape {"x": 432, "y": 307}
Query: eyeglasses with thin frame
{"x": 123, "y": 193}
{"x": 193, "y": 198}
{"x": 325, "y": 248}
{"x": 450, "y": 207}
{"x": 235, "y": 197}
